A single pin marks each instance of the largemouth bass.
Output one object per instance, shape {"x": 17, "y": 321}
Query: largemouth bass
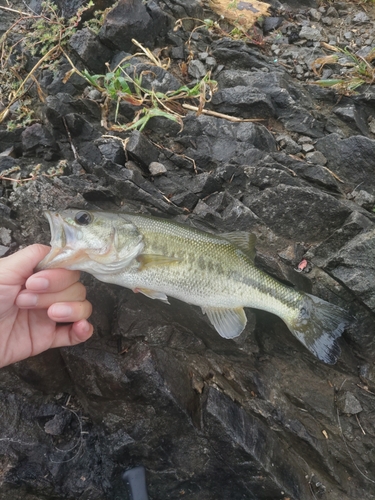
{"x": 162, "y": 258}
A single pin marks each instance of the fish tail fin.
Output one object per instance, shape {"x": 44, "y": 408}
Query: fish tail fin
{"x": 318, "y": 325}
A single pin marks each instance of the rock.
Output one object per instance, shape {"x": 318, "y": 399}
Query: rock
{"x": 316, "y": 157}
{"x": 236, "y": 55}
{"x": 352, "y": 159}
{"x": 354, "y": 266}
{"x": 36, "y": 139}
{"x": 3, "y": 250}
{"x": 112, "y": 150}
{"x": 315, "y": 14}
{"x": 307, "y": 148}
{"x": 354, "y": 225}
{"x": 219, "y": 141}
{"x": 141, "y": 149}
{"x": 316, "y": 175}
{"x": 56, "y": 426}
{"x": 86, "y": 45}
{"x": 271, "y": 23}
{"x": 157, "y": 168}
{"x": 364, "y": 199}
{"x": 361, "y": 18}
{"x": 222, "y": 415}
{"x": 309, "y": 33}
{"x": 303, "y": 214}
{"x": 204, "y": 184}
{"x": 197, "y": 69}
{"x": 347, "y": 403}
{"x": 288, "y": 145}
{"x": 280, "y": 92}
{"x": 5, "y": 236}
{"x": 241, "y": 101}
{"x": 133, "y": 19}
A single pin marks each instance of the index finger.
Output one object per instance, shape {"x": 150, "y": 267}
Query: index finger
{"x": 52, "y": 280}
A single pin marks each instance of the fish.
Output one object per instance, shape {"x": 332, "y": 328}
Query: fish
{"x": 162, "y": 258}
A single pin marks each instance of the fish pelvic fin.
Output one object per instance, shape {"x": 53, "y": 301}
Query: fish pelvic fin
{"x": 229, "y": 323}
{"x": 318, "y": 326}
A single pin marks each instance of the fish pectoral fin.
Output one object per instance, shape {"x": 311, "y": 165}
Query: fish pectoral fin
{"x": 244, "y": 241}
{"x": 147, "y": 260}
{"x": 152, "y": 294}
{"x": 229, "y": 323}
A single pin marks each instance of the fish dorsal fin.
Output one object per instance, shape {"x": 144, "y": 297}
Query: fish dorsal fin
{"x": 243, "y": 240}
{"x": 147, "y": 260}
{"x": 229, "y": 323}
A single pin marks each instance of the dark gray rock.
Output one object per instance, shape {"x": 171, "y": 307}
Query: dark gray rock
{"x": 291, "y": 105}
{"x": 354, "y": 265}
{"x": 86, "y": 45}
{"x": 271, "y": 23}
{"x": 189, "y": 12}
{"x": 227, "y": 420}
{"x": 37, "y": 140}
{"x": 197, "y": 69}
{"x": 348, "y": 403}
{"x": 141, "y": 149}
{"x": 133, "y": 19}
{"x": 7, "y": 162}
{"x": 112, "y": 150}
{"x": 62, "y": 104}
{"x": 316, "y": 157}
{"x": 216, "y": 141}
{"x": 244, "y": 102}
{"x": 352, "y": 159}
{"x": 235, "y": 54}
{"x": 304, "y": 214}
{"x": 204, "y": 184}
{"x": 316, "y": 175}
{"x": 310, "y": 33}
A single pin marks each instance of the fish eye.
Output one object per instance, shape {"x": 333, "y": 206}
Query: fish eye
{"x": 83, "y": 218}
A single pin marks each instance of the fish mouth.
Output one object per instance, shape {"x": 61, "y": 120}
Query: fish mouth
{"x": 63, "y": 239}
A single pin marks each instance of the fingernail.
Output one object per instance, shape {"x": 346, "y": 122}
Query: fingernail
{"x": 39, "y": 284}
{"x": 61, "y": 311}
{"x": 27, "y": 300}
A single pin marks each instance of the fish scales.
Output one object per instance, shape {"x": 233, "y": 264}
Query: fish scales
{"x": 237, "y": 284}
{"x": 162, "y": 258}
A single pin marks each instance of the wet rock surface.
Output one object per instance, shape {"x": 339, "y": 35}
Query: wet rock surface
{"x": 255, "y": 418}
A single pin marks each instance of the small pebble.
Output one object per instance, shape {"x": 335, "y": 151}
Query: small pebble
{"x": 157, "y": 168}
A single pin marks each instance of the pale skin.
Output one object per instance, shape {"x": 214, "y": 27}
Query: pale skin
{"x": 39, "y": 311}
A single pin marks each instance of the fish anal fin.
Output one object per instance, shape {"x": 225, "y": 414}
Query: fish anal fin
{"x": 243, "y": 240}
{"x": 152, "y": 294}
{"x": 229, "y": 323}
{"x": 148, "y": 260}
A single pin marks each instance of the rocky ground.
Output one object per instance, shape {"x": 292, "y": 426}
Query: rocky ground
{"x": 209, "y": 419}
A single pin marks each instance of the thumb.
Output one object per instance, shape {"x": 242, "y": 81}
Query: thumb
{"x": 16, "y": 268}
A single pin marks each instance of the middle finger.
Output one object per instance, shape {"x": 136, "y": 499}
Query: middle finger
{"x": 27, "y": 299}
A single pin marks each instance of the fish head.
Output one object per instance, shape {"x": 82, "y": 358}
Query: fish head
{"x": 99, "y": 243}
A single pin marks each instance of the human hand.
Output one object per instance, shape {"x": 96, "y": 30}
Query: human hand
{"x": 33, "y": 306}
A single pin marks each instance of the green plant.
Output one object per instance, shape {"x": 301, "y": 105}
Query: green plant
{"x": 360, "y": 70}
{"x": 117, "y": 86}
